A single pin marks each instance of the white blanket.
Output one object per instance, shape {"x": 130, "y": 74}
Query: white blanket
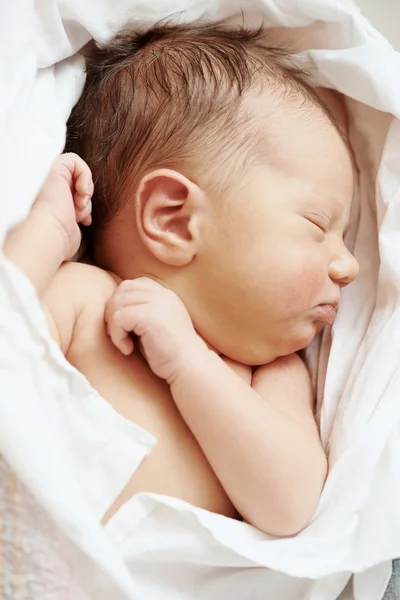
{"x": 175, "y": 550}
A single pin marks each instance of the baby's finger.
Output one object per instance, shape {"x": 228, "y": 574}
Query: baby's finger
{"x": 118, "y": 333}
{"x": 76, "y": 172}
{"x": 83, "y": 178}
{"x": 81, "y": 201}
{"x": 129, "y": 298}
{"x": 83, "y": 215}
{"x": 121, "y": 339}
{"x": 125, "y": 345}
{"x": 87, "y": 221}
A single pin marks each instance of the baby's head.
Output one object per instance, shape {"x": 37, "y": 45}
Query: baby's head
{"x": 220, "y": 174}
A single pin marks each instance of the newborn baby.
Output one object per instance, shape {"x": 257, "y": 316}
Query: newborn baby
{"x": 222, "y": 190}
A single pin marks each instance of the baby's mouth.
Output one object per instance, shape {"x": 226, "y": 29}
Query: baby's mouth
{"x": 325, "y": 313}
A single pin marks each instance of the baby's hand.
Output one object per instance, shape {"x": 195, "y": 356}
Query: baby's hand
{"x": 66, "y": 195}
{"x": 159, "y": 318}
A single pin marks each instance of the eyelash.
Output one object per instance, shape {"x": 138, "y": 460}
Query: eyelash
{"x": 321, "y": 227}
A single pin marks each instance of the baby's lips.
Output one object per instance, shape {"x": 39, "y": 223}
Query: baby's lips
{"x": 325, "y": 313}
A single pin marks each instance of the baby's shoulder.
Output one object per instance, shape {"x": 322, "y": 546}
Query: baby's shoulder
{"x": 76, "y": 297}
{"x": 77, "y": 302}
{"x": 91, "y": 288}
{"x": 87, "y": 281}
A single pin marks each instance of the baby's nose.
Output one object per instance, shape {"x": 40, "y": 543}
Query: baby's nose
{"x": 344, "y": 269}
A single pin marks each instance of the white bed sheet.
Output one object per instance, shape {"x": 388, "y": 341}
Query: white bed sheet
{"x": 157, "y": 547}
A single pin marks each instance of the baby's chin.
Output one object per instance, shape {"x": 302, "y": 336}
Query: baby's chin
{"x": 263, "y": 351}
{"x": 302, "y": 337}
{"x": 249, "y": 355}
{"x": 254, "y": 355}
{"x": 299, "y": 339}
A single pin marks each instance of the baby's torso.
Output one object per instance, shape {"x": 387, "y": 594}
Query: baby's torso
{"x": 177, "y": 466}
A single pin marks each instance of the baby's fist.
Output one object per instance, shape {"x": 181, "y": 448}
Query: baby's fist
{"x": 158, "y": 317}
{"x": 66, "y": 195}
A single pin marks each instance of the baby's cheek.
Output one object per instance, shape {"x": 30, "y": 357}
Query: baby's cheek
{"x": 304, "y": 287}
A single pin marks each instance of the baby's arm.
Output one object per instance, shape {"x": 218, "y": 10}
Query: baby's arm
{"x": 267, "y": 457}
{"x": 50, "y": 234}
{"x": 262, "y": 443}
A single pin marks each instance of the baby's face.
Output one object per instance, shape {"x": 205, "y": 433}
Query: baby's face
{"x": 275, "y": 263}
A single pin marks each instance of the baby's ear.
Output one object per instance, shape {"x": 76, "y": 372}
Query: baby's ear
{"x": 168, "y": 212}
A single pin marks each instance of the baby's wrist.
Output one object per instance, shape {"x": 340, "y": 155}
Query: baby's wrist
{"x": 37, "y": 247}
{"x": 193, "y": 361}
{"x": 52, "y": 229}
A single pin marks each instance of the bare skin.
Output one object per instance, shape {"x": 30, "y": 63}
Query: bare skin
{"x": 223, "y": 426}
{"x": 136, "y": 394}
{"x": 74, "y": 297}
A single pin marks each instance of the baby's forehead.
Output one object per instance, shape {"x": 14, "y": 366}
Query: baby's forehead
{"x": 329, "y": 201}
{"x": 299, "y": 141}
{"x": 285, "y": 126}
{"x": 276, "y": 109}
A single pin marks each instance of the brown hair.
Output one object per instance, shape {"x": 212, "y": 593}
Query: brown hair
{"x": 170, "y": 97}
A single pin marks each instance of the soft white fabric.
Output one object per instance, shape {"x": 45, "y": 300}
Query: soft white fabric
{"x": 74, "y": 454}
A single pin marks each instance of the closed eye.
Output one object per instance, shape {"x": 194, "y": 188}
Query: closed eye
{"x": 320, "y": 222}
